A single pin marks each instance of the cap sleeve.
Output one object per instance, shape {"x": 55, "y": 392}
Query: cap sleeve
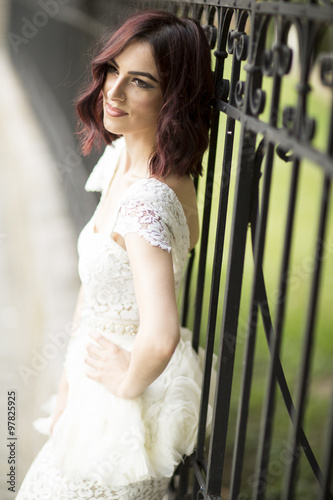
{"x": 100, "y": 176}
{"x": 144, "y": 218}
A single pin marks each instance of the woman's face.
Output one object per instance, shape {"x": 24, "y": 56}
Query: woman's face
{"x": 132, "y": 96}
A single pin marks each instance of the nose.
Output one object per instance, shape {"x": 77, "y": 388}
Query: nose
{"x": 116, "y": 91}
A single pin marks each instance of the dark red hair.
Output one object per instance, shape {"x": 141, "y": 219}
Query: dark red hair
{"x": 182, "y": 57}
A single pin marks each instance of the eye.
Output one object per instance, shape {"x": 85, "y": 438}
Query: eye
{"x": 141, "y": 83}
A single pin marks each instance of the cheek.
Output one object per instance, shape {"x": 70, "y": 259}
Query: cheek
{"x": 104, "y": 93}
{"x": 151, "y": 107}
{"x": 158, "y": 105}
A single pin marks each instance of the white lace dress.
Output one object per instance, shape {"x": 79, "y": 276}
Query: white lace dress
{"x": 103, "y": 446}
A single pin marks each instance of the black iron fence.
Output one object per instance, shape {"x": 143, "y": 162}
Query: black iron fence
{"x": 268, "y": 182}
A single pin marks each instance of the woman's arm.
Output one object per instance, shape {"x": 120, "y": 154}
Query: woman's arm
{"x": 125, "y": 374}
{"x": 159, "y": 322}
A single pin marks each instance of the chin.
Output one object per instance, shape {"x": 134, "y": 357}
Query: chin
{"x": 112, "y": 127}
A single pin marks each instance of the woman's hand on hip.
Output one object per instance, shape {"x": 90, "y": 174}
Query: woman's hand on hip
{"x": 108, "y": 363}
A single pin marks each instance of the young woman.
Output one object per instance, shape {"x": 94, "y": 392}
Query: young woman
{"x": 128, "y": 401}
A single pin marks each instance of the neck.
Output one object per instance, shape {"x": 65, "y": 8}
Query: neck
{"x": 138, "y": 151}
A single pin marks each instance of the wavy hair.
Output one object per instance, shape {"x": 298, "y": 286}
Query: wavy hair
{"x": 182, "y": 56}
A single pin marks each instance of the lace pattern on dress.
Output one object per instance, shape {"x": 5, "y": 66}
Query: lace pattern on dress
{"x": 112, "y": 326}
{"x": 45, "y": 482}
{"x": 142, "y": 218}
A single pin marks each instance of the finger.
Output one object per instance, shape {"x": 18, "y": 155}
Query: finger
{"x": 94, "y": 363}
{"x": 94, "y": 376}
{"x": 105, "y": 343}
{"x": 100, "y": 339}
{"x": 94, "y": 350}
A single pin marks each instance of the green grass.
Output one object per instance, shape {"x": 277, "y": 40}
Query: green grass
{"x": 299, "y": 282}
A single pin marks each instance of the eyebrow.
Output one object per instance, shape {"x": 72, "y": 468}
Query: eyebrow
{"x": 137, "y": 73}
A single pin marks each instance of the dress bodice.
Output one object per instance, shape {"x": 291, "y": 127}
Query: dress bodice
{"x": 149, "y": 208}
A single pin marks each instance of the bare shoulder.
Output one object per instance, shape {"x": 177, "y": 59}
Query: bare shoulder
{"x": 185, "y": 191}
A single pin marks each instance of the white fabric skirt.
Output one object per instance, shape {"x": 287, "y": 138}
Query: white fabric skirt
{"x": 103, "y": 446}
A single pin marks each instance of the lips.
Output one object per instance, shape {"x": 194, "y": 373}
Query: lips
{"x": 114, "y": 112}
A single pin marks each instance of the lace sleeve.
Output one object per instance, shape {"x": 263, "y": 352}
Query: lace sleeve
{"x": 144, "y": 219}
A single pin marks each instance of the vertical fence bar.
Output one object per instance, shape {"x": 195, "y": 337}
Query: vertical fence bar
{"x": 242, "y": 415}
{"x": 328, "y": 459}
{"x": 230, "y": 313}
{"x": 258, "y": 251}
{"x": 219, "y": 244}
{"x": 213, "y": 305}
{"x": 209, "y": 348}
{"x": 309, "y": 329}
{"x": 326, "y": 493}
{"x": 268, "y": 411}
{"x": 233, "y": 286}
{"x": 186, "y": 292}
{"x": 205, "y": 231}
{"x": 187, "y": 279}
{"x": 308, "y": 343}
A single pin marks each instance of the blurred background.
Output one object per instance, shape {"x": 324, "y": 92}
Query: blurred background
{"x": 44, "y": 55}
